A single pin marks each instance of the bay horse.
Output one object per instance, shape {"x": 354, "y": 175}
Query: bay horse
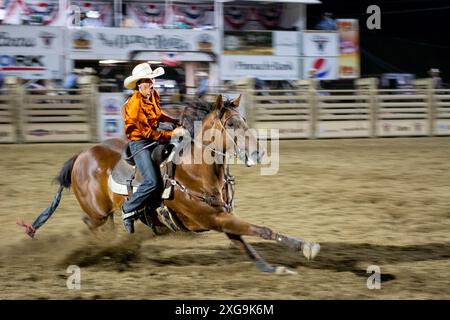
{"x": 87, "y": 173}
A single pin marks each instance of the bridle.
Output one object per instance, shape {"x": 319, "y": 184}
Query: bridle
{"x": 229, "y": 180}
{"x": 237, "y": 150}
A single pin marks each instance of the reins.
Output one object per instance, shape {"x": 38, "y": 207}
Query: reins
{"x": 145, "y": 147}
{"x": 229, "y": 180}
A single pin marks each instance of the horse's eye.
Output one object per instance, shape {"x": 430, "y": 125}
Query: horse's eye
{"x": 230, "y": 124}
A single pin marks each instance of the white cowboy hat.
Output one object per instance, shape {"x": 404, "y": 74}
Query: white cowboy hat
{"x": 142, "y": 71}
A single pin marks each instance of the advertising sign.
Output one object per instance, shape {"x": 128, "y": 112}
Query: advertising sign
{"x": 31, "y": 66}
{"x": 349, "y": 55}
{"x": 332, "y": 129}
{"x": 326, "y": 68}
{"x": 31, "y": 52}
{"x": 402, "y": 128}
{"x": 251, "y": 43}
{"x": 442, "y": 127}
{"x": 278, "y": 43}
{"x": 25, "y": 39}
{"x": 109, "y": 115}
{"x": 320, "y": 44}
{"x": 286, "y": 43}
{"x": 117, "y": 43}
{"x": 262, "y": 67}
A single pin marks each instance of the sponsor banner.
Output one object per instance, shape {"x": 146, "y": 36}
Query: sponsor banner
{"x": 442, "y": 127}
{"x": 31, "y": 66}
{"x": 326, "y": 68}
{"x": 279, "y": 43}
{"x": 117, "y": 43}
{"x": 286, "y": 129}
{"x": 323, "y": 44}
{"x": 286, "y": 43}
{"x": 335, "y": 129}
{"x": 349, "y": 55}
{"x": 262, "y": 67}
{"x": 24, "y": 39}
{"x": 110, "y": 122}
{"x": 50, "y": 132}
{"x": 402, "y": 128}
{"x": 252, "y": 43}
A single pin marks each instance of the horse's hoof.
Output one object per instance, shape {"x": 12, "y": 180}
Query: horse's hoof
{"x": 284, "y": 270}
{"x": 315, "y": 249}
{"x": 310, "y": 250}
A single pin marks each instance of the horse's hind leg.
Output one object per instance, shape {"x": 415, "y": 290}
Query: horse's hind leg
{"x": 94, "y": 199}
{"x": 231, "y": 224}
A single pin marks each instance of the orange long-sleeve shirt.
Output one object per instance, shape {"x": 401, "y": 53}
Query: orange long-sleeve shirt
{"x": 143, "y": 116}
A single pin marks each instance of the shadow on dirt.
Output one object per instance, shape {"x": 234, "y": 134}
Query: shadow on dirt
{"x": 339, "y": 257}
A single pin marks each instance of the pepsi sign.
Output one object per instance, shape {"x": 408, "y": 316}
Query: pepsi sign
{"x": 325, "y": 68}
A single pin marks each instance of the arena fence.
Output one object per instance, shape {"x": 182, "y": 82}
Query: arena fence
{"x": 46, "y": 115}
{"x": 303, "y": 112}
{"x": 7, "y": 118}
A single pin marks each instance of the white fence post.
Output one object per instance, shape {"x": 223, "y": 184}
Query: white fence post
{"x": 13, "y": 85}
{"x": 369, "y": 87}
{"x": 425, "y": 86}
{"x": 308, "y": 88}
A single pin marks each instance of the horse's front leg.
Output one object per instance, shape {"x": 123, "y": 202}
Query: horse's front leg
{"x": 260, "y": 263}
{"x": 231, "y": 224}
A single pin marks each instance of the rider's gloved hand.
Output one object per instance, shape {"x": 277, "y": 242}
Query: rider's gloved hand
{"x": 180, "y": 131}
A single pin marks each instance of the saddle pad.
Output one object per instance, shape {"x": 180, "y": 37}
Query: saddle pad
{"x": 123, "y": 172}
{"x": 118, "y": 188}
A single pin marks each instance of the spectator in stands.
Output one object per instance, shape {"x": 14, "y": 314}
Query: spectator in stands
{"x": 435, "y": 76}
{"x": 71, "y": 81}
{"x": 327, "y": 22}
{"x": 260, "y": 86}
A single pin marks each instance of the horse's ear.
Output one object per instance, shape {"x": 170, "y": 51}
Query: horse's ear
{"x": 236, "y": 102}
{"x": 219, "y": 102}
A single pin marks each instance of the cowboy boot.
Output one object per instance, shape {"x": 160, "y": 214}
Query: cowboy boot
{"x": 128, "y": 220}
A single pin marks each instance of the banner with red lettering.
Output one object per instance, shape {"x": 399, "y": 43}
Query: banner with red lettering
{"x": 349, "y": 54}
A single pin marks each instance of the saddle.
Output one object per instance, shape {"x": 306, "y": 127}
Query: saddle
{"x": 125, "y": 178}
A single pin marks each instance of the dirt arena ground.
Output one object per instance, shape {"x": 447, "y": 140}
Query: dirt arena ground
{"x": 383, "y": 202}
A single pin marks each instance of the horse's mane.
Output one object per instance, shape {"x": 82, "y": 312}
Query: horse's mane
{"x": 198, "y": 110}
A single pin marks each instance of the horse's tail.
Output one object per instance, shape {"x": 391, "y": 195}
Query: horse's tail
{"x": 64, "y": 178}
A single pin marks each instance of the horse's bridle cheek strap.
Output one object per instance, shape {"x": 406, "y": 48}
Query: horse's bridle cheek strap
{"x": 223, "y": 123}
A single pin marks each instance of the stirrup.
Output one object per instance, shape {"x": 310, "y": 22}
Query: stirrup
{"x": 129, "y": 215}
{"x": 128, "y": 220}
{"x": 133, "y": 214}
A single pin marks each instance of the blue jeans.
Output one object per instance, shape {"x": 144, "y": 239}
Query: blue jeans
{"x": 152, "y": 184}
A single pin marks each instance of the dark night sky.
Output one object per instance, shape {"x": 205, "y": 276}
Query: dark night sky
{"x": 414, "y": 34}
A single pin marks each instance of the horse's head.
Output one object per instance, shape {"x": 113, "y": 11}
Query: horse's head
{"x": 236, "y": 136}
